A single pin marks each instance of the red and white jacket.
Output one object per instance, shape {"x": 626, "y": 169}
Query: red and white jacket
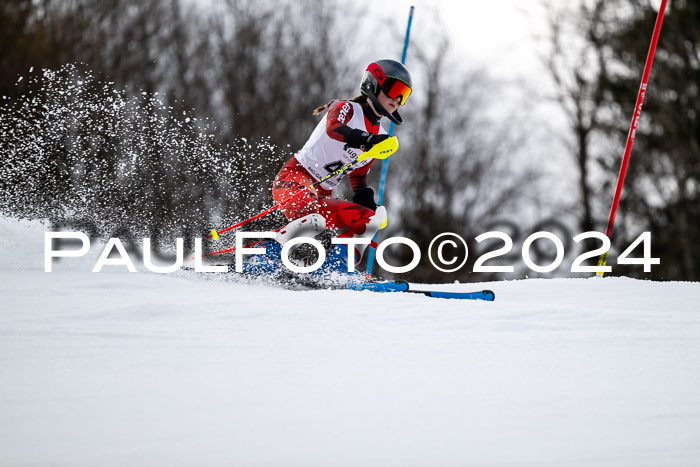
{"x": 325, "y": 151}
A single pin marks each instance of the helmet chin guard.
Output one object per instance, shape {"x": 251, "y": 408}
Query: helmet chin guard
{"x": 391, "y": 77}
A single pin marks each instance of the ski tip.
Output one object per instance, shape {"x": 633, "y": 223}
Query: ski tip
{"x": 214, "y": 234}
{"x": 489, "y": 295}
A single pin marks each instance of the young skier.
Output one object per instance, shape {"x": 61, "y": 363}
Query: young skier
{"x": 347, "y": 129}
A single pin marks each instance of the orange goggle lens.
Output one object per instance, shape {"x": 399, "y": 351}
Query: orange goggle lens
{"x": 394, "y": 88}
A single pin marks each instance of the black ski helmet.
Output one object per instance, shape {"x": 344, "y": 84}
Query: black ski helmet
{"x": 391, "y": 77}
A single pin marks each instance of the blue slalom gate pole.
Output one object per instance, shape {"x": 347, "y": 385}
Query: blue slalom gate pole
{"x": 385, "y": 162}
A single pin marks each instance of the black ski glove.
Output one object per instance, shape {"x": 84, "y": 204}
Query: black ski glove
{"x": 363, "y": 140}
{"x": 364, "y": 197}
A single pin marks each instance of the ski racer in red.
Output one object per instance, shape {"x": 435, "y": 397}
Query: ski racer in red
{"x": 347, "y": 129}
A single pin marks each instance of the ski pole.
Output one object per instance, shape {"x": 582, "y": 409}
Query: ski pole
{"x": 227, "y": 250}
{"x": 381, "y": 150}
{"x": 633, "y": 129}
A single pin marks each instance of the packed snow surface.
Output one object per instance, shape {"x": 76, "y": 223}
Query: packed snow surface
{"x": 141, "y": 369}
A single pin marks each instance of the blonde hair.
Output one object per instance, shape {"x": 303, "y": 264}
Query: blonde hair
{"x": 359, "y": 99}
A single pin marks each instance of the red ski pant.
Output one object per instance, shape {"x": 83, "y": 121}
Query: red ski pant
{"x": 341, "y": 215}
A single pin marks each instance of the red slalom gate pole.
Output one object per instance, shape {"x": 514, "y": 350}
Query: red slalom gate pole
{"x": 633, "y": 128}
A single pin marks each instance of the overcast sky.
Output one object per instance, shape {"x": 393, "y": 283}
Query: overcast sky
{"x": 499, "y": 35}
{"x": 505, "y": 39}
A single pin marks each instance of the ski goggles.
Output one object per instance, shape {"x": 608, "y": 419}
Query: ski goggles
{"x": 394, "y": 87}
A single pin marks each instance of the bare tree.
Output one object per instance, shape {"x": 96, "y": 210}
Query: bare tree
{"x": 598, "y": 80}
{"x": 457, "y": 171}
{"x": 576, "y": 62}
{"x": 661, "y": 187}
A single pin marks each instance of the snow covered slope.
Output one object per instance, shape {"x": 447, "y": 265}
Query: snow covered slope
{"x": 116, "y": 369}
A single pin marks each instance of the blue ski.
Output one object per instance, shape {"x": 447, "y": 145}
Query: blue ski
{"x": 402, "y": 286}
